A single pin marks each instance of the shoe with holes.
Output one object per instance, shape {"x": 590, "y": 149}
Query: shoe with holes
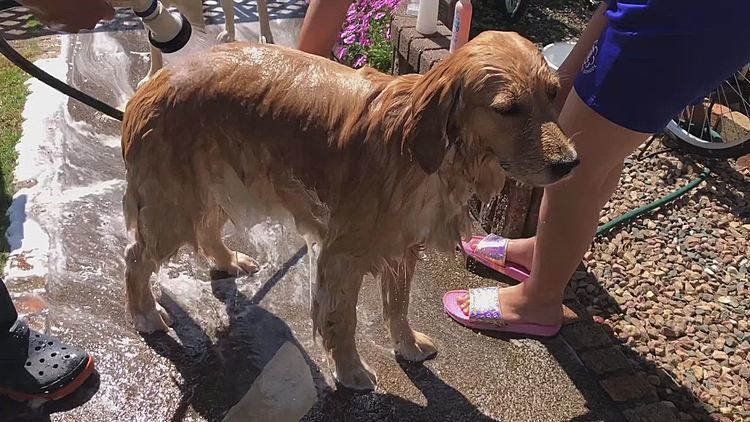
{"x": 36, "y": 366}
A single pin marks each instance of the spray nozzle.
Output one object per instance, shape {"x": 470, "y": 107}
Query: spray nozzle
{"x": 167, "y": 31}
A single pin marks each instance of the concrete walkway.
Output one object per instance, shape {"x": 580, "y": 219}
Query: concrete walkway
{"x": 247, "y": 342}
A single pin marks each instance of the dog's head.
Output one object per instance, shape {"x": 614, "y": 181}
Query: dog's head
{"x": 493, "y": 98}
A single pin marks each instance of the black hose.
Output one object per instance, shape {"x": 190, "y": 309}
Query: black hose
{"x": 28, "y": 67}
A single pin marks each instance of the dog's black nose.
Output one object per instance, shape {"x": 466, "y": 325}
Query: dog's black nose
{"x": 561, "y": 169}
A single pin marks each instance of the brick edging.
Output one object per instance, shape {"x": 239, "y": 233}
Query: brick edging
{"x": 414, "y": 52}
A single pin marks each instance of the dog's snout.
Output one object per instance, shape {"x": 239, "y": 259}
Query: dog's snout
{"x": 562, "y": 168}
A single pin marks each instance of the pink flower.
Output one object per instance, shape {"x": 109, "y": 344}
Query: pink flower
{"x": 365, "y": 29}
{"x": 341, "y": 53}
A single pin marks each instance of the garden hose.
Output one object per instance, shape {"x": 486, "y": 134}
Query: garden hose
{"x": 607, "y": 227}
{"x": 24, "y": 64}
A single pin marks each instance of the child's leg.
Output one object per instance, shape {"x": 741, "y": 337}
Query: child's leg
{"x": 322, "y": 26}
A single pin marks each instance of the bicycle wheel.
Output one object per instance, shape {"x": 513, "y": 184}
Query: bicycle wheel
{"x": 718, "y": 127}
{"x": 513, "y": 9}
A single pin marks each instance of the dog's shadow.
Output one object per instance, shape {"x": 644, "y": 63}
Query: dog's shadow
{"x": 216, "y": 375}
{"x": 443, "y": 402}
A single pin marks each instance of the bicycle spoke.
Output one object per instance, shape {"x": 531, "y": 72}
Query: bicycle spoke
{"x": 744, "y": 103}
{"x": 732, "y": 117}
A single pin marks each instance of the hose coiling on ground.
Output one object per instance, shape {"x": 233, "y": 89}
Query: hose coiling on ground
{"x": 612, "y": 224}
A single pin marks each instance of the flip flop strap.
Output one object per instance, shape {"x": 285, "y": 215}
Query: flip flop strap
{"x": 484, "y": 305}
{"x": 494, "y": 248}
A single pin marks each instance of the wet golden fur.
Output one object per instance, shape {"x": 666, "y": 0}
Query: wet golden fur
{"x": 371, "y": 167}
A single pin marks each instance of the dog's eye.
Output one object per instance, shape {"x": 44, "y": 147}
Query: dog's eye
{"x": 509, "y": 109}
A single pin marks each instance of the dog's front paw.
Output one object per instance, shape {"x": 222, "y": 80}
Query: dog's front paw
{"x": 418, "y": 348}
{"x": 241, "y": 264}
{"x": 152, "y": 321}
{"x": 359, "y": 377}
{"x": 225, "y": 36}
{"x": 246, "y": 264}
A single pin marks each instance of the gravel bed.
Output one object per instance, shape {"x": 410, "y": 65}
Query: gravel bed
{"x": 674, "y": 285}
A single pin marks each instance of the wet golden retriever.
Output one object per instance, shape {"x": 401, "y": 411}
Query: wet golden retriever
{"x": 370, "y": 166}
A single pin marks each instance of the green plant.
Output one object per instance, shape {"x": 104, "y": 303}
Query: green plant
{"x": 366, "y": 36}
{"x": 13, "y": 92}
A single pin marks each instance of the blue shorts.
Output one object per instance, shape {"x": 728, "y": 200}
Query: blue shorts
{"x": 657, "y": 56}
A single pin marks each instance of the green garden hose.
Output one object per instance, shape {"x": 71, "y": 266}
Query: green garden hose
{"x": 607, "y": 227}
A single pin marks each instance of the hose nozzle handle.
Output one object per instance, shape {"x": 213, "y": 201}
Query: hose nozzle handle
{"x": 167, "y": 31}
{"x": 177, "y": 42}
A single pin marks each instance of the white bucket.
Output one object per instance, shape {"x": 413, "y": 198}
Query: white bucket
{"x": 556, "y": 53}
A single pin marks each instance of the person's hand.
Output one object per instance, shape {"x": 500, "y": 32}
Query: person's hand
{"x": 70, "y": 15}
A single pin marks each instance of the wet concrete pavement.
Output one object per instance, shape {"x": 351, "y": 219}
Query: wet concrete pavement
{"x": 229, "y": 334}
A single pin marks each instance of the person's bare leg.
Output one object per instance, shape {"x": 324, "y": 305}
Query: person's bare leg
{"x": 569, "y": 213}
{"x": 322, "y": 26}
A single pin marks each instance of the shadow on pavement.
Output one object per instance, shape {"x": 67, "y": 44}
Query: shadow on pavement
{"x": 217, "y": 375}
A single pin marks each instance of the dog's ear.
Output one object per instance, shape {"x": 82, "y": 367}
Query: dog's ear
{"x": 431, "y": 127}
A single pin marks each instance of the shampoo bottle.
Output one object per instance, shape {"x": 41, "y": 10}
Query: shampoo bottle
{"x": 461, "y": 24}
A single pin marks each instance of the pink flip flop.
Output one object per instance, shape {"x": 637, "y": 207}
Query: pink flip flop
{"x": 485, "y": 314}
{"x": 491, "y": 250}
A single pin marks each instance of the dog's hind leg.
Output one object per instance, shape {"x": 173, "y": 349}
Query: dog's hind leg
{"x": 395, "y": 283}
{"x": 159, "y": 233}
{"x": 148, "y": 316}
{"x": 210, "y": 242}
{"x": 228, "y": 34}
{"x": 334, "y": 313}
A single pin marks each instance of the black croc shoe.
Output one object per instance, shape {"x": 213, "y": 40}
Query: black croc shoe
{"x": 36, "y": 366}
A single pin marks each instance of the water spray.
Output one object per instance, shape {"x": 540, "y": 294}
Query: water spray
{"x": 167, "y": 31}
